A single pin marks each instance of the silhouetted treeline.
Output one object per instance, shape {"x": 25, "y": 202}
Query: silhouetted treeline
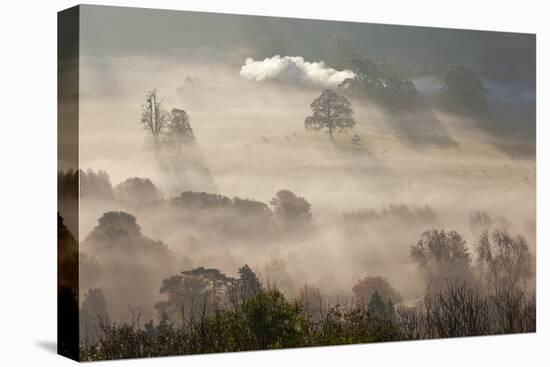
{"x": 241, "y": 217}
{"x": 424, "y": 214}
{"x": 207, "y": 311}
{"x": 270, "y": 321}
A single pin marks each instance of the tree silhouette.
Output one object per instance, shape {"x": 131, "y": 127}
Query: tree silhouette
{"x": 137, "y": 191}
{"x": 291, "y": 209}
{"x": 365, "y": 288}
{"x": 504, "y": 260}
{"x": 249, "y": 284}
{"x": 331, "y": 111}
{"x": 153, "y": 116}
{"x": 179, "y": 131}
{"x": 376, "y": 306}
{"x": 462, "y": 91}
{"x": 442, "y": 256}
{"x": 374, "y": 80}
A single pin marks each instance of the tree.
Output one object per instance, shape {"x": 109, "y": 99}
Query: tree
{"x": 137, "y": 191}
{"x": 96, "y": 185}
{"x": 504, "y": 261}
{"x": 376, "y": 306}
{"x": 331, "y": 111}
{"x": 179, "y": 129}
{"x": 188, "y": 297}
{"x": 274, "y": 321}
{"x": 153, "y": 116}
{"x": 364, "y": 290}
{"x": 92, "y": 313}
{"x": 480, "y": 222}
{"x": 291, "y": 209}
{"x": 219, "y": 283}
{"x": 115, "y": 225}
{"x": 374, "y": 80}
{"x": 249, "y": 284}
{"x": 441, "y": 256}
{"x": 462, "y": 91}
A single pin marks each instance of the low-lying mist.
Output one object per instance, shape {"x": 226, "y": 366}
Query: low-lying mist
{"x": 371, "y": 197}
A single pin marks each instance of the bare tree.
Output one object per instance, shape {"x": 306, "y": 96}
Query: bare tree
{"x": 457, "y": 310}
{"x": 153, "y": 116}
{"x": 505, "y": 261}
{"x": 480, "y": 222}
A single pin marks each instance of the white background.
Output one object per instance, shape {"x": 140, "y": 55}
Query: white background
{"x": 28, "y": 182}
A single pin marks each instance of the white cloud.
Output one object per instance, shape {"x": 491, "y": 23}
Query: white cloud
{"x": 293, "y": 69}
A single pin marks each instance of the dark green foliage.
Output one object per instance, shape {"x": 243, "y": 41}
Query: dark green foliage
{"x": 268, "y": 320}
{"x": 218, "y": 313}
{"x": 375, "y": 81}
{"x": 462, "y": 91}
{"x": 274, "y": 321}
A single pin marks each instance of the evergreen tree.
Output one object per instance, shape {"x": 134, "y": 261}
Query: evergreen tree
{"x": 376, "y": 306}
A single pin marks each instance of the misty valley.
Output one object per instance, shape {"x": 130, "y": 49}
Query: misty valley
{"x": 233, "y": 198}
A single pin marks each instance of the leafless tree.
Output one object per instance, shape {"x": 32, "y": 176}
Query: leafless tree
{"x": 153, "y": 116}
{"x": 505, "y": 261}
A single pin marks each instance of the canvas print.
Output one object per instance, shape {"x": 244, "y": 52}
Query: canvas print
{"x": 240, "y": 183}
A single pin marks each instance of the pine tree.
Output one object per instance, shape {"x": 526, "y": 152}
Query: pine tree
{"x": 376, "y": 306}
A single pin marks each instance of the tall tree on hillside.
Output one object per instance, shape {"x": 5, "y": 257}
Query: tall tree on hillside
{"x": 179, "y": 131}
{"x": 153, "y": 117}
{"x": 462, "y": 91}
{"x": 331, "y": 111}
{"x": 376, "y": 81}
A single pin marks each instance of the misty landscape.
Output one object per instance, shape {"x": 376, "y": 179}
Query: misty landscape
{"x": 251, "y": 183}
